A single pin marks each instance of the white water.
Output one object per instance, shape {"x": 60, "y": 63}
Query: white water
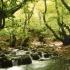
{"x": 36, "y": 65}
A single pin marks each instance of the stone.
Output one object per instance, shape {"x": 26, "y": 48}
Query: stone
{"x": 35, "y": 56}
{"x": 40, "y": 54}
{"x": 47, "y": 55}
{"x": 5, "y": 63}
{"x": 25, "y": 59}
{"x": 15, "y": 62}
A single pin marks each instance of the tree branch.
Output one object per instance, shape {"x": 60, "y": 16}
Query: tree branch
{"x": 65, "y": 4}
{"x": 15, "y": 8}
{"x": 60, "y": 23}
{"x": 44, "y": 19}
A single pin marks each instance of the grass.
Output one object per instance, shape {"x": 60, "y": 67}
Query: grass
{"x": 58, "y": 65}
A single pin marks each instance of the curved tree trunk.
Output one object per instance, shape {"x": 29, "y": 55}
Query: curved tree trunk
{"x": 66, "y": 5}
{"x": 44, "y": 19}
{"x": 65, "y": 38}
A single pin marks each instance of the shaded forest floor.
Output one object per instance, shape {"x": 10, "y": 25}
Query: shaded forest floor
{"x": 48, "y": 46}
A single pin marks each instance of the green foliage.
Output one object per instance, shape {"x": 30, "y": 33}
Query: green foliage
{"x": 15, "y": 23}
{"x": 58, "y": 65}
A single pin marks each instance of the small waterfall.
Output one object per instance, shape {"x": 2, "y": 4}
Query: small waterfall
{"x": 42, "y": 54}
{"x": 14, "y": 62}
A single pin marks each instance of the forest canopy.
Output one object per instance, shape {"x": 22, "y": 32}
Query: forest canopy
{"x": 45, "y": 17}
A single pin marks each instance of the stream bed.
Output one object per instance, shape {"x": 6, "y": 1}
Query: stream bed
{"x": 23, "y": 60}
{"x": 49, "y": 64}
{"x": 36, "y": 65}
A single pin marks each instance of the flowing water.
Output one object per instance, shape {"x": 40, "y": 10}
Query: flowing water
{"x": 36, "y": 65}
{"x": 43, "y": 64}
{"x": 49, "y": 64}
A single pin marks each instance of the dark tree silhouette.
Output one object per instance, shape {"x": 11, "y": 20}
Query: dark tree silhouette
{"x": 6, "y": 12}
{"x": 2, "y": 16}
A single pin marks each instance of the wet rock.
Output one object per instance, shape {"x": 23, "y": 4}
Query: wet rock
{"x": 15, "y": 60}
{"x": 33, "y": 50}
{"x": 47, "y": 55}
{"x": 27, "y": 52}
{"x": 25, "y": 59}
{"x": 35, "y": 56}
{"x": 5, "y": 63}
{"x": 55, "y": 54}
{"x": 40, "y": 54}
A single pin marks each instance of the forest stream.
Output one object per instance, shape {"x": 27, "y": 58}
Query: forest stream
{"x": 49, "y": 63}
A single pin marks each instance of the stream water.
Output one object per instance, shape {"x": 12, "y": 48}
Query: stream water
{"x": 43, "y": 64}
{"x": 36, "y": 65}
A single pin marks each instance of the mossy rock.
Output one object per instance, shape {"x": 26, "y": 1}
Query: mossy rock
{"x": 5, "y": 63}
{"x": 25, "y": 59}
{"x": 35, "y": 56}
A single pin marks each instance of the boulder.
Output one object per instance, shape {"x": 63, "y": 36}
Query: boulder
{"x": 5, "y": 63}
{"x": 47, "y": 55}
{"x": 25, "y": 59}
{"x": 40, "y": 54}
{"x": 15, "y": 62}
{"x": 35, "y": 56}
